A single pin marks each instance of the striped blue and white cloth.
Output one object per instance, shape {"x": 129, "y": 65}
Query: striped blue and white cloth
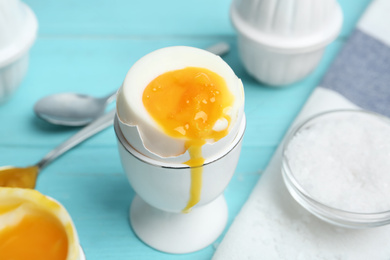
{"x": 361, "y": 72}
{"x": 271, "y": 225}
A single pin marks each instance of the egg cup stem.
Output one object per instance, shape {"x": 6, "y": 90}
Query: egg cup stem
{"x": 178, "y": 233}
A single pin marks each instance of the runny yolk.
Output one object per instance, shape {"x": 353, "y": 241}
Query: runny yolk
{"x": 36, "y": 236}
{"x": 19, "y": 177}
{"x": 187, "y": 103}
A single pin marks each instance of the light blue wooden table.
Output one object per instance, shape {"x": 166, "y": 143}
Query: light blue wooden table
{"x": 87, "y": 47}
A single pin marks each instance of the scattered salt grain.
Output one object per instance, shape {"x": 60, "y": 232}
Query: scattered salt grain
{"x": 344, "y": 161}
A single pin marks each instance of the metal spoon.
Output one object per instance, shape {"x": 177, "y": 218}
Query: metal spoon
{"x": 26, "y": 177}
{"x": 71, "y": 109}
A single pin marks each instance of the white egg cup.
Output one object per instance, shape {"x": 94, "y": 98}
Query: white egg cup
{"x": 163, "y": 190}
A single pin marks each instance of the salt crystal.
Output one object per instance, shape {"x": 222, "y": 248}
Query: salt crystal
{"x": 344, "y": 162}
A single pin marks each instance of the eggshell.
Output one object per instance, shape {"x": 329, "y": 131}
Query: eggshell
{"x": 140, "y": 129}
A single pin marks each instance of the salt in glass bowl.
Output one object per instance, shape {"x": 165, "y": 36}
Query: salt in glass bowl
{"x": 329, "y": 213}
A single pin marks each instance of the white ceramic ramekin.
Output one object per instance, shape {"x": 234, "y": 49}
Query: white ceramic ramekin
{"x": 14, "y": 54}
{"x": 280, "y": 42}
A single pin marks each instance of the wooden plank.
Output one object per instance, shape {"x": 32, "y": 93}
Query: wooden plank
{"x": 141, "y": 18}
{"x": 150, "y": 17}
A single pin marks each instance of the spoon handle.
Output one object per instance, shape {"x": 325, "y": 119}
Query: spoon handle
{"x": 219, "y": 49}
{"x": 96, "y": 126}
{"x": 110, "y": 98}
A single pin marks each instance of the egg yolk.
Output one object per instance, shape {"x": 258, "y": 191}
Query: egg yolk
{"x": 19, "y": 177}
{"x": 36, "y": 237}
{"x": 187, "y": 103}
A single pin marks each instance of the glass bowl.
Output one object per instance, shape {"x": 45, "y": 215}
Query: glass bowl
{"x": 324, "y": 210}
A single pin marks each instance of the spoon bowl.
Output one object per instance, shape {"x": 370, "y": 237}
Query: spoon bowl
{"x": 15, "y": 177}
{"x": 72, "y": 109}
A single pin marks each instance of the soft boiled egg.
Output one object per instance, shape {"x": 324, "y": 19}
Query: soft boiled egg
{"x": 177, "y": 94}
{"x": 33, "y": 226}
{"x": 181, "y": 105}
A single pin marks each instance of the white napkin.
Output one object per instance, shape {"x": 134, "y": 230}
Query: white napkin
{"x": 271, "y": 225}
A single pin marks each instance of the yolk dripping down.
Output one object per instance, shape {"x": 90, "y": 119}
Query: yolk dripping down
{"x": 38, "y": 235}
{"x": 187, "y": 103}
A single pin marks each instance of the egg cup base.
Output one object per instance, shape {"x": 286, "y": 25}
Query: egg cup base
{"x": 178, "y": 233}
